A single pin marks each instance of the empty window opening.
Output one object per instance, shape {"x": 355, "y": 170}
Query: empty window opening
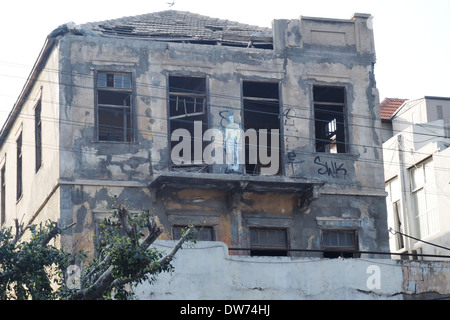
{"x": 339, "y": 244}
{"x": 329, "y": 119}
{"x": 261, "y": 111}
{"x": 114, "y": 97}
{"x": 187, "y": 106}
{"x": 19, "y": 167}
{"x": 38, "y": 135}
{"x": 203, "y": 233}
{"x": 268, "y": 242}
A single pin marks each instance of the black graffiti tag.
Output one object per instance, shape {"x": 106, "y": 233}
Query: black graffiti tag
{"x": 332, "y": 169}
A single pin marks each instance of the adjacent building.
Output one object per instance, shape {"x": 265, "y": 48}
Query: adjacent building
{"x": 388, "y": 107}
{"x": 267, "y": 138}
{"x": 416, "y": 160}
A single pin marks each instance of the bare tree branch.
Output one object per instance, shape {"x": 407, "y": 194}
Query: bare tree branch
{"x": 169, "y": 257}
{"x": 161, "y": 262}
{"x": 95, "y": 290}
{"x": 154, "y": 231}
{"x": 106, "y": 279}
{"x": 123, "y": 218}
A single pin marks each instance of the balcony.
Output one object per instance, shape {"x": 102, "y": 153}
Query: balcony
{"x": 235, "y": 185}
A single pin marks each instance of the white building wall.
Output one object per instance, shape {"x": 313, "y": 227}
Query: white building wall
{"x": 404, "y": 152}
{"x": 206, "y": 272}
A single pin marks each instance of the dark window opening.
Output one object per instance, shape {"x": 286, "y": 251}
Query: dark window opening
{"x": 398, "y": 226}
{"x": 268, "y": 242}
{"x": 19, "y": 167}
{"x": 329, "y": 119}
{"x": 188, "y": 106}
{"x": 114, "y": 114}
{"x": 339, "y": 244}
{"x": 3, "y": 195}
{"x": 38, "y": 135}
{"x": 203, "y": 233}
{"x": 261, "y": 111}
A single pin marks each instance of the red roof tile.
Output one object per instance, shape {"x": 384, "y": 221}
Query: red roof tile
{"x": 389, "y": 106}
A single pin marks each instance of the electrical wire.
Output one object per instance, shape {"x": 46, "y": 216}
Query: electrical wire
{"x": 164, "y": 134}
{"x": 295, "y": 117}
{"x": 138, "y": 85}
{"x": 394, "y": 232}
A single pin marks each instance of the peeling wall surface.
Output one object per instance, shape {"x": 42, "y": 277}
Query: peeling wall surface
{"x": 206, "y": 272}
{"x": 313, "y": 192}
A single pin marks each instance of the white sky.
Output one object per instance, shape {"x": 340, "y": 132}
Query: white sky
{"x": 412, "y": 37}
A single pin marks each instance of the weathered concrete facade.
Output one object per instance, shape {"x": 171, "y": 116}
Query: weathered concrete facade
{"x": 313, "y": 192}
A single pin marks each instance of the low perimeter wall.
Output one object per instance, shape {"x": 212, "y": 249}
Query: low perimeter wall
{"x": 206, "y": 271}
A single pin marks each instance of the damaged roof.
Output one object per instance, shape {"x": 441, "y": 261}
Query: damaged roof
{"x": 173, "y": 25}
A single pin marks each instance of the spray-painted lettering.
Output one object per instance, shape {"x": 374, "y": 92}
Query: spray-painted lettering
{"x": 332, "y": 168}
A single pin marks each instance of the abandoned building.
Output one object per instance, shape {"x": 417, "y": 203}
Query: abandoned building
{"x": 267, "y": 138}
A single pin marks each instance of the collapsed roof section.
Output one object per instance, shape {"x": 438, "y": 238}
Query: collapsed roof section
{"x": 176, "y": 26}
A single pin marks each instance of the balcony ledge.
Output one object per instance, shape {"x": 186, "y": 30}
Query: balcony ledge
{"x": 236, "y": 184}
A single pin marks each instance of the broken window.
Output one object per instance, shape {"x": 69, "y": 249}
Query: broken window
{"x": 3, "y": 195}
{"x": 268, "y": 242}
{"x": 19, "y": 167}
{"x": 114, "y": 110}
{"x": 203, "y": 233}
{"x": 329, "y": 119}
{"x": 38, "y": 135}
{"x": 261, "y": 112}
{"x": 187, "y": 108}
{"x": 339, "y": 244}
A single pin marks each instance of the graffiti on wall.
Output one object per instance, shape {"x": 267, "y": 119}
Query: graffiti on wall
{"x": 330, "y": 168}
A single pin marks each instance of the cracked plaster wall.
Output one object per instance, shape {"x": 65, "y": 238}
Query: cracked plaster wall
{"x": 91, "y": 175}
{"x": 303, "y": 56}
{"x": 213, "y": 274}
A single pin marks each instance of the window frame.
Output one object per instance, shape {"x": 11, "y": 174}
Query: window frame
{"x": 125, "y": 112}
{"x": 423, "y": 190}
{"x": 322, "y": 144}
{"x": 261, "y": 249}
{"x": 184, "y": 93}
{"x": 19, "y": 166}
{"x": 264, "y": 101}
{"x": 331, "y": 251}
{"x": 395, "y": 211}
{"x": 177, "y": 229}
{"x": 38, "y": 134}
